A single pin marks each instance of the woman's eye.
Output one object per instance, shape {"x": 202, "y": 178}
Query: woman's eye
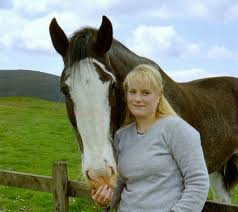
{"x": 132, "y": 92}
{"x": 146, "y": 92}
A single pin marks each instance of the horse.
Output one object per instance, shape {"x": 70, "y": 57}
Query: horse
{"x": 95, "y": 65}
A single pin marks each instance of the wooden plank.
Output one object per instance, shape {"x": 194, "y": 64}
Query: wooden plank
{"x": 78, "y": 189}
{"x": 60, "y": 180}
{"x": 41, "y": 183}
{"x": 25, "y": 180}
{"x": 213, "y": 206}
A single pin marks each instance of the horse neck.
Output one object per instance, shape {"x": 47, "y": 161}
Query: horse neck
{"x": 124, "y": 60}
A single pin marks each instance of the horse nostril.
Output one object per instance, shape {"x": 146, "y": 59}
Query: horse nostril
{"x": 113, "y": 171}
{"x": 87, "y": 175}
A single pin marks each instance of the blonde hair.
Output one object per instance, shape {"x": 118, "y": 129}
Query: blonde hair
{"x": 145, "y": 73}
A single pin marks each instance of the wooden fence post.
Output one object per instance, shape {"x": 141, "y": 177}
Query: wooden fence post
{"x": 60, "y": 181}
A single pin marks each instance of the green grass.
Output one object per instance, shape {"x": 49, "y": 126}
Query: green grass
{"x": 33, "y": 134}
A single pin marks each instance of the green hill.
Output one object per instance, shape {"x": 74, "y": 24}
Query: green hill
{"x": 33, "y": 134}
{"x": 30, "y": 83}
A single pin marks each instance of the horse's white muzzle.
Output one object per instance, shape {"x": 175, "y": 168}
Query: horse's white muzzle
{"x": 97, "y": 177}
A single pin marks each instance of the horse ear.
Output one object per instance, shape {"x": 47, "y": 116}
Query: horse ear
{"x": 104, "y": 35}
{"x": 58, "y": 38}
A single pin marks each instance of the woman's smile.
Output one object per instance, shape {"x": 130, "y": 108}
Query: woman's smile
{"x": 138, "y": 105}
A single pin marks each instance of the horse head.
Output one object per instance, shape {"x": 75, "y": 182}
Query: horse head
{"x": 88, "y": 81}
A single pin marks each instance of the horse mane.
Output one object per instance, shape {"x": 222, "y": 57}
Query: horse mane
{"x": 123, "y": 60}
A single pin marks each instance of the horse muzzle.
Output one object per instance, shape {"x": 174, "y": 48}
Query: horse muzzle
{"x": 97, "y": 177}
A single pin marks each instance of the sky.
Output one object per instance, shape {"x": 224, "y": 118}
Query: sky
{"x": 188, "y": 39}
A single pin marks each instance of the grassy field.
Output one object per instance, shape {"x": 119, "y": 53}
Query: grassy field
{"x": 33, "y": 134}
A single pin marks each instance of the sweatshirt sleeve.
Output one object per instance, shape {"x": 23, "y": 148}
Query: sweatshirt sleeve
{"x": 185, "y": 145}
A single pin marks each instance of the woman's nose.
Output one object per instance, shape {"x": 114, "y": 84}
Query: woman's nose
{"x": 138, "y": 97}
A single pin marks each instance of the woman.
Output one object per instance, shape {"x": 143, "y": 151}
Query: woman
{"x": 159, "y": 156}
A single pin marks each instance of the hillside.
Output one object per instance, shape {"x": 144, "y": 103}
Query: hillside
{"x": 30, "y": 83}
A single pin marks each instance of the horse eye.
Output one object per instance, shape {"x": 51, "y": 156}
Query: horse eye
{"x": 65, "y": 90}
{"x": 113, "y": 87}
{"x": 112, "y": 90}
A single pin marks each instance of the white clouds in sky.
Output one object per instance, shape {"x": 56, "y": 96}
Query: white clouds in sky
{"x": 28, "y": 27}
{"x": 10, "y": 27}
{"x": 220, "y": 52}
{"x": 160, "y": 41}
{"x": 30, "y": 8}
{"x": 26, "y": 34}
{"x": 74, "y": 6}
{"x": 210, "y": 10}
{"x": 148, "y": 27}
{"x": 185, "y": 75}
{"x": 5, "y": 4}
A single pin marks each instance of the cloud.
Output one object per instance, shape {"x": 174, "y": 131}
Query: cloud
{"x": 24, "y": 34}
{"x": 182, "y": 9}
{"x": 32, "y": 8}
{"x": 6, "y": 4}
{"x": 10, "y": 27}
{"x": 28, "y": 27}
{"x": 210, "y": 10}
{"x": 232, "y": 15}
{"x": 220, "y": 52}
{"x": 160, "y": 41}
{"x": 185, "y": 75}
{"x": 81, "y": 7}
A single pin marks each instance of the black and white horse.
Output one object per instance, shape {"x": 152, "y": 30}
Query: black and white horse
{"x": 95, "y": 66}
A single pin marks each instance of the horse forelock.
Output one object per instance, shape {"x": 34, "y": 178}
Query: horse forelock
{"x": 81, "y": 44}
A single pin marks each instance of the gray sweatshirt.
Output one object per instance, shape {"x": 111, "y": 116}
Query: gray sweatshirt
{"x": 162, "y": 170}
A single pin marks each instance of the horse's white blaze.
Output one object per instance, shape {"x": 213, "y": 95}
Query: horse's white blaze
{"x": 92, "y": 111}
{"x": 218, "y": 189}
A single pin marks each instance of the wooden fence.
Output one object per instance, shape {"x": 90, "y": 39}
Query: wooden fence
{"x": 58, "y": 185}
{"x": 62, "y": 188}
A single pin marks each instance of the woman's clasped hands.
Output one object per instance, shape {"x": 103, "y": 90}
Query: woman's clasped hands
{"x": 102, "y": 196}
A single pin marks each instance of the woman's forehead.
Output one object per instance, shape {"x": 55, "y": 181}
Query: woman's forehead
{"x": 140, "y": 84}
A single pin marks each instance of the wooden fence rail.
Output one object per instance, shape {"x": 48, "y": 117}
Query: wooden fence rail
{"x": 62, "y": 188}
{"x": 58, "y": 185}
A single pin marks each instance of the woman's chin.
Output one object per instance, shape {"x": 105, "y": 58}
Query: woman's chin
{"x": 139, "y": 115}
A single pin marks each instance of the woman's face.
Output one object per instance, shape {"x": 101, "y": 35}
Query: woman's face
{"x": 142, "y": 100}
